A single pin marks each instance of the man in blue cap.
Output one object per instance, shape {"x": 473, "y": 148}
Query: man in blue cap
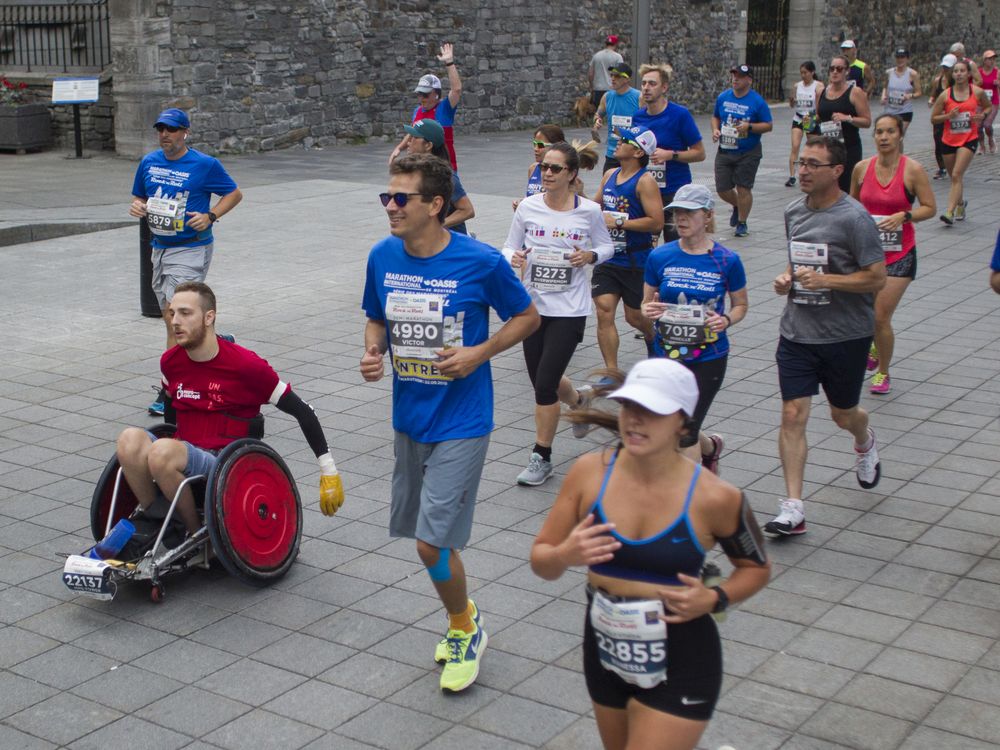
{"x": 173, "y": 190}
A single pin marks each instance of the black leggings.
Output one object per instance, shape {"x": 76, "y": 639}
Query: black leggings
{"x": 709, "y": 376}
{"x": 938, "y": 143}
{"x": 547, "y": 353}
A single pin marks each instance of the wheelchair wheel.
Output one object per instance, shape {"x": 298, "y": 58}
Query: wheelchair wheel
{"x": 253, "y": 512}
{"x": 100, "y": 503}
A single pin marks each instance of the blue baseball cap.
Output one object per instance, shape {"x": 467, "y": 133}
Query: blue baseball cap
{"x": 175, "y": 118}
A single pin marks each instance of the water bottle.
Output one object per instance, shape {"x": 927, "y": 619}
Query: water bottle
{"x": 114, "y": 542}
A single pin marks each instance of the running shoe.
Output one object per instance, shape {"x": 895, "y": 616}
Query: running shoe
{"x": 867, "y": 466}
{"x": 156, "y": 408}
{"x": 228, "y": 337}
{"x": 586, "y": 396}
{"x": 711, "y": 461}
{"x": 948, "y": 218}
{"x": 789, "y": 522}
{"x": 465, "y": 651}
{"x": 741, "y": 229}
{"x": 734, "y": 219}
{"x": 872, "y": 358}
{"x": 960, "y": 210}
{"x": 940, "y": 174}
{"x": 441, "y": 651}
{"x": 536, "y": 472}
{"x": 790, "y": 182}
{"x": 881, "y": 383}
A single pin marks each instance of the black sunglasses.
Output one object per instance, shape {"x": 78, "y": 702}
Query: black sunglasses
{"x": 160, "y": 127}
{"x": 553, "y": 168}
{"x": 400, "y": 199}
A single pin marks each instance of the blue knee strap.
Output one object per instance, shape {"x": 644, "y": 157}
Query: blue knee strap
{"x": 441, "y": 570}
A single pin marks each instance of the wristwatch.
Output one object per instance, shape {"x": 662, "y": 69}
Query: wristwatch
{"x": 907, "y": 216}
{"x": 723, "y": 603}
{"x": 676, "y": 156}
{"x": 212, "y": 218}
{"x": 620, "y": 222}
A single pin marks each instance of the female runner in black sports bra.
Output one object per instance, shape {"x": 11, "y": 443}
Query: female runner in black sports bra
{"x": 642, "y": 517}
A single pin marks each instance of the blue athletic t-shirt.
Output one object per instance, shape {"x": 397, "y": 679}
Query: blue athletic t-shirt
{"x": 751, "y": 106}
{"x": 457, "y": 193}
{"x": 182, "y": 185}
{"x": 675, "y": 129}
{"x": 534, "y": 182}
{"x": 995, "y": 263}
{"x": 618, "y": 111}
{"x": 685, "y": 279}
{"x": 449, "y": 297}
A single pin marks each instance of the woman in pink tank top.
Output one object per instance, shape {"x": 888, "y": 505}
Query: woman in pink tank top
{"x": 991, "y": 85}
{"x": 886, "y": 185}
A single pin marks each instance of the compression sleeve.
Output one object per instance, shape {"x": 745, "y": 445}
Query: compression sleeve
{"x": 290, "y": 403}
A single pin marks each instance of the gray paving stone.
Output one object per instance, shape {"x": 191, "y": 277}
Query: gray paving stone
{"x": 321, "y": 704}
{"x": 372, "y": 675}
{"x": 918, "y": 669}
{"x": 16, "y": 645}
{"x": 425, "y": 695}
{"x": 394, "y": 727}
{"x": 870, "y": 626}
{"x": 16, "y": 740}
{"x": 62, "y": 718}
{"x": 63, "y": 667}
{"x": 898, "y": 699}
{"x": 556, "y": 687}
{"x": 192, "y": 710}
{"x": 239, "y": 635}
{"x": 888, "y": 601}
{"x": 185, "y": 661}
{"x": 355, "y": 629}
{"x": 834, "y": 648}
{"x": 913, "y": 579}
{"x": 802, "y": 675}
{"x": 262, "y": 730}
{"x": 966, "y": 717}
{"x": 123, "y": 641}
{"x": 536, "y": 724}
{"x": 952, "y": 644}
{"x": 18, "y": 693}
{"x": 786, "y": 709}
{"x": 127, "y": 688}
{"x": 926, "y": 738}
{"x": 727, "y": 729}
{"x": 582, "y": 734}
{"x": 964, "y": 617}
{"x": 856, "y": 727}
{"x": 534, "y": 642}
{"x": 132, "y": 732}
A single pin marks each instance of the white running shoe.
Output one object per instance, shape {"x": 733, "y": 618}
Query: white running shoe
{"x": 536, "y": 472}
{"x": 867, "y": 466}
{"x": 790, "y": 521}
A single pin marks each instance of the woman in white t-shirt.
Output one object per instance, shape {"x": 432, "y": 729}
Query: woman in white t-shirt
{"x": 555, "y": 235}
{"x": 803, "y": 101}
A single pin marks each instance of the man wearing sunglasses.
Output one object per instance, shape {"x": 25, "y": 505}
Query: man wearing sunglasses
{"x": 617, "y": 107}
{"x": 428, "y": 294}
{"x": 172, "y": 191}
{"x": 432, "y": 106}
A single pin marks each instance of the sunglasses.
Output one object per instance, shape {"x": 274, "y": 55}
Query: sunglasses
{"x": 540, "y": 144}
{"x": 553, "y": 168}
{"x": 169, "y": 128}
{"x": 400, "y": 199}
{"x": 835, "y": 68}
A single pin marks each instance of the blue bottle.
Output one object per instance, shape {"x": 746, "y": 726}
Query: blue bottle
{"x": 114, "y": 542}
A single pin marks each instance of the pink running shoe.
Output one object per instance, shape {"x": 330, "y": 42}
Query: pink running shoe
{"x": 872, "y": 359}
{"x": 881, "y": 383}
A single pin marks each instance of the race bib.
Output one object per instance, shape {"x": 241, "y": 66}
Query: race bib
{"x": 631, "y": 639}
{"x": 550, "y": 270}
{"x": 161, "y": 215}
{"x": 415, "y": 323}
{"x": 621, "y": 121}
{"x": 897, "y": 98}
{"x": 891, "y": 239}
{"x": 84, "y": 575}
{"x": 804, "y": 105}
{"x": 617, "y": 234}
{"x": 729, "y": 137}
{"x": 832, "y": 129}
{"x": 659, "y": 172}
{"x": 684, "y": 325}
{"x": 962, "y": 123}
{"x": 815, "y": 256}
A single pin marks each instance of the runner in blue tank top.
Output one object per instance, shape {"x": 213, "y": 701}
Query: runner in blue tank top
{"x": 642, "y": 517}
{"x": 544, "y": 137}
{"x": 633, "y": 213}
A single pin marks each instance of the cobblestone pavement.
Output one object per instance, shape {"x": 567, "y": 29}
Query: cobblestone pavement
{"x": 880, "y": 628}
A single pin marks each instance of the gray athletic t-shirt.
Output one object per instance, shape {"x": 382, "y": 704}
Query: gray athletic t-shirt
{"x": 840, "y": 239}
{"x": 602, "y": 61}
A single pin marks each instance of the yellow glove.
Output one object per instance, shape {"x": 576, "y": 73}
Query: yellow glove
{"x": 331, "y": 494}
{"x": 331, "y": 488}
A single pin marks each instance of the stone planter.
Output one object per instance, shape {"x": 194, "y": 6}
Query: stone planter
{"x": 25, "y": 126}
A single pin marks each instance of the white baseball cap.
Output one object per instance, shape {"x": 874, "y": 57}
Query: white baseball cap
{"x": 427, "y": 84}
{"x": 848, "y": 44}
{"x": 661, "y": 385}
{"x": 692, "y": 197}
{"x": 948, "y": 61}
{"x": 641, "y": 137}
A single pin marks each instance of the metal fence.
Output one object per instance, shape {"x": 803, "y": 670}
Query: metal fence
{"x": 767, "y": 42}
{"x": 56, "y": 38}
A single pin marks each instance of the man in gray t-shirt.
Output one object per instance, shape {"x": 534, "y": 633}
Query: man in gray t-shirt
{"x": 600, "y": 63}
{"x": 835, "y": 266}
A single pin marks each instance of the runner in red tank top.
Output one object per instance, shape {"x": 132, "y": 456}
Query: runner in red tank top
{"x": 961, "y": 108}
{"x": 886, "y": 185}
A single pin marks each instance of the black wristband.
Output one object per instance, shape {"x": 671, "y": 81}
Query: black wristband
{"x": 729, "y": 321}
{"x": 723, "y": 602}
{"x": 212, "y": 218}
{"x": 448, "y": 64}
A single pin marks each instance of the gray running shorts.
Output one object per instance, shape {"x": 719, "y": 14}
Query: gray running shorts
{"x": 434, "y": 489}
{"x": 173, "y": 265}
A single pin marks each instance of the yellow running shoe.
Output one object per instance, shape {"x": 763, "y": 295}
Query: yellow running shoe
{"x": 465, "y": 651}
{"x": 441, "y": 650}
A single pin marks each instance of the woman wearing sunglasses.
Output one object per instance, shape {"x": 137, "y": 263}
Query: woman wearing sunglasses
{"x": 886, "y": 185}
{"x": 642, "y": 517}
{"x": 843, "y": 109}
{"x": 554, "y": 236}
{"x": 544, "y": 137}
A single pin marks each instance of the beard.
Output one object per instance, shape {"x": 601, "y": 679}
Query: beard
{"x": 196, "y": 338}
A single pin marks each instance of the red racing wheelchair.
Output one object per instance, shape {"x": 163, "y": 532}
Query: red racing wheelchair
{"x": 252, "y": 517}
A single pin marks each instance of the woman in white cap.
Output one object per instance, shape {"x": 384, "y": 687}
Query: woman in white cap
{"x": 642, "y": 517}
{"x": 686, "y": 285}
{"x": 554, "y": 237}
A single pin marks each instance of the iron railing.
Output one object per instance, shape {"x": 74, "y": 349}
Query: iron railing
{"x": 767, "y": 43}
{"x": 56, "y": 38}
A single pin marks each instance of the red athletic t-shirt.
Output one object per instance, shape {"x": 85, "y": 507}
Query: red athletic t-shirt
{"x": 216, "y": 399}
